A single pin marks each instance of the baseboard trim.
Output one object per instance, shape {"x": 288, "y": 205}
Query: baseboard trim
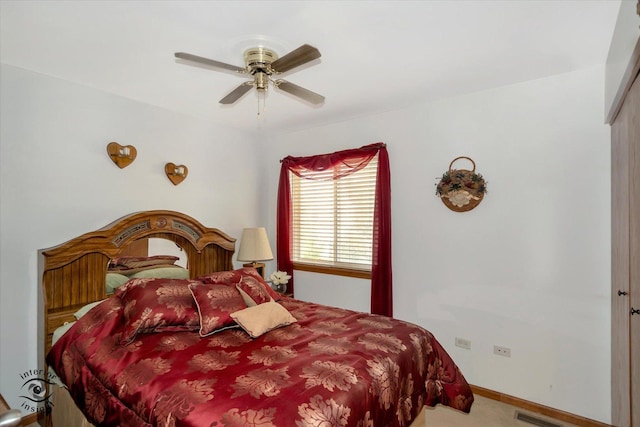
{"x": 29, "y": 419}
{"x": 537, "y": 408}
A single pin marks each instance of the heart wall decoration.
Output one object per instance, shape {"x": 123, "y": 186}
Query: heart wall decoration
{"x": 176, "y": 173}
{"x": 121, "y": 155}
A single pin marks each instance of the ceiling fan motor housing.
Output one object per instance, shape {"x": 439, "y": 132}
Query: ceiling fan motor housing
{"x": 258, "y": 60}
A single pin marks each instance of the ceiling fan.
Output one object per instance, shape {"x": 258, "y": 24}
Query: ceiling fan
{"x": 261, "y": 65}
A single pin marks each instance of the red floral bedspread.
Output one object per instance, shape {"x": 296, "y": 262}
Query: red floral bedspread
{"x": 332, "y": 368}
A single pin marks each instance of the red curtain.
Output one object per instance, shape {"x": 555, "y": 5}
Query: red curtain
{"x": 350, "y": 161}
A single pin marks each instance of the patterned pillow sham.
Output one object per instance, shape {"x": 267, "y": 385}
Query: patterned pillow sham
{"x": 215, "y": 304}
{"x": 262, "y": 318}
{"x": 139, "y": 262}
{"x": 156, "y": 305}
{"x": 232, "y": 277}
{"x": 252, "y": 291}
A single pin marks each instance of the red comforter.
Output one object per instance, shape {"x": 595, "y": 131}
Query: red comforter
{"x": 332, "y": 368}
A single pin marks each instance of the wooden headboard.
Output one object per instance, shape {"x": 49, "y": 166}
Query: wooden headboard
{"x": 74, "y": 273}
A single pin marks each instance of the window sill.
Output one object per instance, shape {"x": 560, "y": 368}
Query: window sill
{"x": 336, "y": 271}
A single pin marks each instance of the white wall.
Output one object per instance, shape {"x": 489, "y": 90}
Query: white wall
{"x": 57, "y": 182}
{"x": 529, "y": 268}
{"x": 625, "y": 39}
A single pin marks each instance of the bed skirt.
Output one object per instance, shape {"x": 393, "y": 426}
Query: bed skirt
{"x": 65, "y": 413}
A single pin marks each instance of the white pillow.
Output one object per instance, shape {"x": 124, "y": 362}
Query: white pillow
{"x": 174, "y": 272}
{"x": 60, "y": 331}
{"x": 85, "y": 309}
{"x": 114, "y": 281}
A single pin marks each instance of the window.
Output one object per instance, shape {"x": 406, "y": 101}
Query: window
{"x": 332, "y": 220}
{"x": 340, "y": 226}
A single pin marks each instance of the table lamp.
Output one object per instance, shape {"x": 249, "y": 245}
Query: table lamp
{"x": 254, "y": 247}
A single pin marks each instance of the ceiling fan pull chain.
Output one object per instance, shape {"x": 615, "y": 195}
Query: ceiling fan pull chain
{"x": 261, "y": 94}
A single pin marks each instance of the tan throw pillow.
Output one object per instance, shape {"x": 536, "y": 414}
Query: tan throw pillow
{"x": 262, "y": 318}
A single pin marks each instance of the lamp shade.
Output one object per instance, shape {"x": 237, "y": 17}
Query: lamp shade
{"x": 254, "y": 245}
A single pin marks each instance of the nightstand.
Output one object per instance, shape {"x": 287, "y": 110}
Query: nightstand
{"x": 259, "y": 266}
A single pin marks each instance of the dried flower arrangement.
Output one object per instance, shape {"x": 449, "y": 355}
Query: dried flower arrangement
{"x": 461, "y": 190}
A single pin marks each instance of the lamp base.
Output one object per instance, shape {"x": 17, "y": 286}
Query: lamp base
{"x": 259, "y": 266}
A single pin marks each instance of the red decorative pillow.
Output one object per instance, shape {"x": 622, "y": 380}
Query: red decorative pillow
{"x": 233, "y": 277}
{"x": 253, "y": 292}
{"x": 215, "y": 304}
{"x": 222, "y": 277}
{"x": 156, "y": 305}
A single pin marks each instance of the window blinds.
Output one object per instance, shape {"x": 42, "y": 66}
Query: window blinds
{"x": 332, "y": 219}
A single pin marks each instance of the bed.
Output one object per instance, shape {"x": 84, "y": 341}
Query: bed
{"x": 221, "y": 348}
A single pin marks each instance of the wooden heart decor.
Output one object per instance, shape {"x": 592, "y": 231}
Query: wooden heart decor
{"x": 121, "y": 155}
{"x": 176, "y": 173}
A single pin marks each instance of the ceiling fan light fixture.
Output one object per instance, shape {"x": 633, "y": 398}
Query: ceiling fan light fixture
{"x": 261, "y": 63}
{"x": 261, "y": 81}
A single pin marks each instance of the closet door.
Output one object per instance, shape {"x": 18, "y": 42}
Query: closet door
{"x": 625, "y": 262}
{"x": 633, "y": 103}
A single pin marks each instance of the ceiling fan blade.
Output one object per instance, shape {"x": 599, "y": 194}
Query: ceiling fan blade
{"x": 295, "y": 58}
{"x": 299, "y": 91}
{"x": 236, "y": 93}
{"x": 209, "y": 62}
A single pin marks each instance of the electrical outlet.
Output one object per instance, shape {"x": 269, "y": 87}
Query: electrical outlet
{"x": 502, "y": 351}
{"x": 462, "y": 343}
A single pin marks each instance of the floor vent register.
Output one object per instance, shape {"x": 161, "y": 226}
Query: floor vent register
{"x": 532, "y": 419}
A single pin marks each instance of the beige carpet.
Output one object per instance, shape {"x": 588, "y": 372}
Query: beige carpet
{"x": 484, "y": 413}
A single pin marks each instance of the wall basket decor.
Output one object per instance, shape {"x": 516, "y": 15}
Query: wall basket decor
{"x": 461, "y": 190}
{"x": 121, "y": 155}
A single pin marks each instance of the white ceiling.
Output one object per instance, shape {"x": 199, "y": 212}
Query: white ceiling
{"x": 376, "y": 55}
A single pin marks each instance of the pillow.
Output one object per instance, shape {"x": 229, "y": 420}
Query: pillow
{"x": 85, "y": 309}
{"x": 147, "y": 261}
{"x": 114, "y": 281}
{"x": 262, "y": 318}
{"x": 156, "y": 305}
{"x": 233, "y": 277}
{"x": 60, "y": 331}
{"x": 128, "y": 271}
{"x": 215, "y": 304}
{"x": 252, "y": 291}
{"x": 165, "y": 272}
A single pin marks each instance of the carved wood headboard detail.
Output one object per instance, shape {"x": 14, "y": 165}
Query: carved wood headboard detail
{"x": 74, "y": 273}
